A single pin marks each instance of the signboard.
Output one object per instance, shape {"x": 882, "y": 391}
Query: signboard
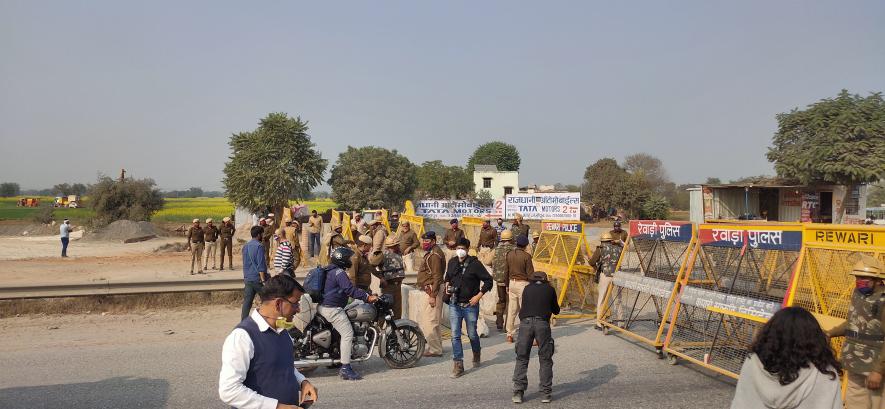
{"x": 455, "y": 209}
{"x": 761, "y": 237}
{"x": 661, "y": 230}
{"x": 562, "y": 227}
{"x": 792, "y": 197}
{"x": 543, "y": 206}
{"x": 810, "y": 207}
{"x": 867, "y": 236}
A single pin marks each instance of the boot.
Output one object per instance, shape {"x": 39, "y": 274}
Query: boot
{"x": 499, "y": 322}
{"x": 457, "y": 369}
{"x": 348, "y": 374}
{"x": 517, "y": 397}
{"x": 476, "y": 359}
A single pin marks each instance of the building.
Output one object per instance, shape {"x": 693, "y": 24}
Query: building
{"x": 774, "y": 201}
{"x": 498, "y": 183}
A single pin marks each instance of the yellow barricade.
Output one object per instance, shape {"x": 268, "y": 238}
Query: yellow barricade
{"x": 472, "y": 226}
{"x": 562, "y": 253}
{"x": 739, "y": 277}
{"x": 409, "y": 208}
{"x": 415, "y": 222}
{"x": 640, "y": 298}
{"x": 346, "y": 232}
{"x": 822, "y": 283}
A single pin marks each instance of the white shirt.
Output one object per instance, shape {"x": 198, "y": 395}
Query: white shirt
{"x": 236, "y": 353}
{"x": 65, "y": 230}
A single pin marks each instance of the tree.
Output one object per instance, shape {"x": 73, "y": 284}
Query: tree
{"x": 651, "y": 169}
{"x": 61, "y": 189}
{"x": 129, "y": 199}
{"x": 438, "y": 181}
{"x": 634, "y": 192}
{"x": 603, "y": 182}
{"x": 372, "y": 177}
{"x": 656, "y": 208}
{"x": 839, "y": 141}
{"x": 503, "y": 155}
{"x": 876, "y": 195}
{"x": 9, "y": 189}
{"x": 272, "y": 164}
{"x": 484, "y": 198}
{"x": 713, "y": 181}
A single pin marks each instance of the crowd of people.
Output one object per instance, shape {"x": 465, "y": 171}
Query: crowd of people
{"x": 790, "y": 364}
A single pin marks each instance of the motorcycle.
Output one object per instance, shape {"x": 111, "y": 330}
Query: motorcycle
{"x": 399, "y": 342}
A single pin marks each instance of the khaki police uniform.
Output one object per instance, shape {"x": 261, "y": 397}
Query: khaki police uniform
{"x": 266, "y": 239}
{"x": 408, "y": 243}
{"x": 619, "y": 236}
{"x": 360, "y": 272}
{"x": 430, "y": 281}
{"x": 226, "y": 232}
{"x": 452, "y": 236}
{"x": 518, "y": 267}
{"x": 195, "y": 240}
{"x": 501, "y": 251}
{"x": 210, "y": 236}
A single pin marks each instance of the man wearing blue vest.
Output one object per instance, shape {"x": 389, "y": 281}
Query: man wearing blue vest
{"x": 257, "y": 356}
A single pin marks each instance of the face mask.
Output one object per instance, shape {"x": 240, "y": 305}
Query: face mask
{"x": 461, "y": 253}
{"x": 282, "y": 323}
{"x": 426, "y": 246}
{"x": 865, "y": 286}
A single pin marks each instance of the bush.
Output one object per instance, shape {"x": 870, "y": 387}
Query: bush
{"x": 44, "y": 215}
{"x": 130, "y": 199}
{"x": 656, "y": 208}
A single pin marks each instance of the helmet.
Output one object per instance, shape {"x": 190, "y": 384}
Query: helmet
{"x": 506, "y": 235}
{"x": 605, "y": 237}
{"x": 340, "y": 257}
{"x": 868, "y": 266}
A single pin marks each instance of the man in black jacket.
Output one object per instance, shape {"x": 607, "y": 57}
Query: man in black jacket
{"x": 534, "y": 315}
{"x": 464, "y": 274}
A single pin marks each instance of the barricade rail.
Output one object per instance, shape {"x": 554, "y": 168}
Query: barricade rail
{"x": 563, "y": 254}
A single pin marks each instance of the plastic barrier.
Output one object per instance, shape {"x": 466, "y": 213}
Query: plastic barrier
{"x": 645, "y": 282}
{"x": 739, "y": 277}
{"x": 562, "y": 253}
{"x": 822, "y": 283}
{"x": 472, "y": 226}
{"x": 415, "y": 222}
{"x": 346, "y": 232}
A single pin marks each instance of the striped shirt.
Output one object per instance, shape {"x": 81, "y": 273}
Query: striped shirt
{"x": 283, "y": 259}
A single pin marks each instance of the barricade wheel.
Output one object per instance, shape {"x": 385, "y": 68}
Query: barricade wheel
{"x": 672, "y": 359}
{"x": 660, "y": 353}
{"x": 606, "y": 331}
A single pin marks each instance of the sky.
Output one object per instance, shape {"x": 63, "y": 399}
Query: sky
{"x": 158, "y": 87}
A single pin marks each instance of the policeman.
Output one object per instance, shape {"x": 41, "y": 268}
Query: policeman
{"x": 195, "y": 239}
{"x": 504, "y": 246}
{"x": 333, "y": 240}
{"x": 533, "y": 245}
{"x": 430, "y": 282}
{"x": 227, "y": 242}
{"x": 360, "y": 271}
{"x": 210, "y": 236}
{"x": 266, "y": 235}
{"x": 408, "y": 243}
{"x": 391, "y": 273}
{"x": 487, "y": 236}
{"x": 451, "y": 239}
{"x": 604, "y": 259}
{"x": 518, "y": 268}
{"x": 519, "y": 228}
{"x": 862, "y": 353}
{"x": 619, "y": 236}
{"x": 378, "y": 234}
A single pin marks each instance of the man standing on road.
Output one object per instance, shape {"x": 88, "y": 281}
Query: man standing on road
{"x": 227, "y": 242}
{"x": 518, "y": 227}
{"x": 256, "y": 359}
{"x": 518, "y": 267}
{"x": 332, "y": 241}
{"x": 533, "y": 245}
{"x": 254, "y": 269}
{"x": 65, "y": 234}
{"x": 360, "y": 272}
{"x": 464, "y": 275}
{"x": 378, "y": 234}
{"x": 504, "y": 247}
{"x": 604, "y": 259}
{"x": 266, "y": 235}
{"x": 430, "y": 280}
{"x": 408, "y": 243}
{"x": 315, "y": 227}
{"x": 488, "y": 238}
{"x": 534, "y": 316}
{"x": 195, "y": 239}
{"x": 619, "y": 236}
{"x": 292, "y": 234}
{"x": 210, "y": 236}
{"x": 392, "y": 272}
{"x": 453, "y": 236}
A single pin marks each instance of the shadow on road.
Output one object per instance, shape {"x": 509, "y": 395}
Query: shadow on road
{"x": 142, "y": 392}
{"x": 591, "y": 379}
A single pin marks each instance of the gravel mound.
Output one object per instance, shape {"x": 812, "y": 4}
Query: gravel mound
{"x": 125, "y": 231}
{"x": 171, "y": 248}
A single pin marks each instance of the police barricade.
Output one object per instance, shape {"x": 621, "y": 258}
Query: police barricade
{"x": 346, "y": 232}
{"x": 416, "y": 223}
{"x": 739, "y": 277}
{"x": 472, "y": 226}
{"x": 639, "y": 300}
{"x": 562, "y": 253}
{"x": 822, "y": 283}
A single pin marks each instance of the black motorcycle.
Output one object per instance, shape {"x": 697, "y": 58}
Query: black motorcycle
{"x": 400, "y": 342}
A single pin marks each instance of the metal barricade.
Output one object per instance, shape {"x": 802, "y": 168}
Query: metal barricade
{"x": 739, "y": 277}
{"x": 639, "y": 301}
{"x": 563, "y": 254}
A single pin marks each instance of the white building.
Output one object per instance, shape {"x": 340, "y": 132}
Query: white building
{"x": 498, "y": 183}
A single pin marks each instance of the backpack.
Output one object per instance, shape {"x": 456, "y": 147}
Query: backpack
{"x": 315, "y": 283}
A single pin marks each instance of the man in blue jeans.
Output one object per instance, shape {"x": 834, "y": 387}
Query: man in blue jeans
{"x": 254, "y": 269}
{"x": 464, "y": 274}
{"x": 65, "y": 234}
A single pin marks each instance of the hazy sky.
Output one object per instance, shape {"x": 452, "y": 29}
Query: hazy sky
{"x": 158, "y": 87}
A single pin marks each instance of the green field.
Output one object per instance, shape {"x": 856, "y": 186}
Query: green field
{"x": 175, "y": 210}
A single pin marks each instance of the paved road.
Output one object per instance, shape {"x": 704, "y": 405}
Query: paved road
{"x": 128, "y": 362}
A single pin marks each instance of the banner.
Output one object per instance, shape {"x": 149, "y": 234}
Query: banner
{"x": 761, "y": 237}
{"x": 455, "y": 209}
{"x": 661, "y": 230}
{"x": 543, "y": 206}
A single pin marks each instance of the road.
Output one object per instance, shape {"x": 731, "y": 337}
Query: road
{"x": 170, "y": 359}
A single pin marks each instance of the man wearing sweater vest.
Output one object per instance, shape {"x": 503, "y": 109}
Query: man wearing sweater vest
{"x": 257, "y": 356}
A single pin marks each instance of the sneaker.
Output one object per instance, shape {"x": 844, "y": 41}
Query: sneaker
{"x": 517, "y": 397}
{"x": 546, "y": 399}
{"x": 348, "y": 374}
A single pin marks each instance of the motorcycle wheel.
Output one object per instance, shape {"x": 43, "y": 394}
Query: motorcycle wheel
{"x": 414, "y": 348}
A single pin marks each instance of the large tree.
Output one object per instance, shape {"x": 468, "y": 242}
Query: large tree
{"x": 837, "y": 140}
{"x": 9, "y": 189}
{"x": 372, "y": 177}
{"x": 438, "y": 181}
{"x": 127, "y": 199}
{"x": 603, "y": 183}
{"x": 650, "y": 168}
{"x": 272, "y": 164}
{"x": 503, "y": 155}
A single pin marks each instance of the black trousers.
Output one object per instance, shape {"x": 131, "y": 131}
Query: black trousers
{"x": 531, "y": 329}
